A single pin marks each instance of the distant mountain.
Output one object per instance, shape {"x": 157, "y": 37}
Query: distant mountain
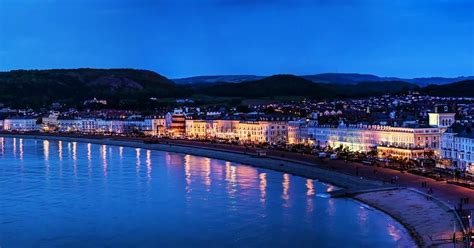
{"x": 276, "y": 85}
{"x": 216, "y": 79}
{"x": 290, "y": 85}
{"x": 438, "y": 80}
{"x": 345, "y": 78}
{"x": 353, "y": 78}
{"x": 463, "y": 88}
{"x": 329, "y": 78}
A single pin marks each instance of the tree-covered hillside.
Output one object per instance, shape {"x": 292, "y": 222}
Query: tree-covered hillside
{"x": 133, "y": 89}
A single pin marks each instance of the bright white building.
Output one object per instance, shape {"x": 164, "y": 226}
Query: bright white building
{"x": 386, "y": 140}
{"x": 21, "y": 124}
{"x": 147, "y": 126}
{"x": 457, "y": 146}
{"x": 441, "y": 120}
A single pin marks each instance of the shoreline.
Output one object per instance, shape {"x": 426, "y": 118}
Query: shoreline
{"x": 360, "y": 188}
{"x": 282, "y": 165}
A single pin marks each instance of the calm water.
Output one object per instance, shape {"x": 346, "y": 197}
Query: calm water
{"x": 68, "y": 194}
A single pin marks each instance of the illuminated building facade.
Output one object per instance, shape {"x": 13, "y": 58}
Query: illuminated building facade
{"x": 176, "y": 123}
{"x": 266, "y": 131}
{"x": 199, "y": 129}
{"x": 387, "y": 141}
{"x": 147, "y": 126}
{"x": 26, "y": 124}
{"x": 457, "y": 146}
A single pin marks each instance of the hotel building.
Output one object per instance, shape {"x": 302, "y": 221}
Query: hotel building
{"x": 20, "y": 124}
{"x": 402, "y": 142}
{"x": 387, "y": 141}
{"x": 261, "y": 130}
{"x": 457, "y": 146}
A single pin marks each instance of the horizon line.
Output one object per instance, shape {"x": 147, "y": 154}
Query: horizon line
{"x": 233, "y": 74}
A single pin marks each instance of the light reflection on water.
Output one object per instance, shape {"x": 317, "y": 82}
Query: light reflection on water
{"x": 99, "y": 195}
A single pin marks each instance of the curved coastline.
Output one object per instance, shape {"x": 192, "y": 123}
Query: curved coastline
{"x": 356, "y": 184}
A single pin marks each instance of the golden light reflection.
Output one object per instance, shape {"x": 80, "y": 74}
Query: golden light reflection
{"x": 103, "y": 152}
{"x": 46, "y": 155}
{"x": 2, "y": 145}
{"x": 286, "y": 186}
{"x": 74, "y": 151}
{"x": 138, "y": 161}
{"x": 393, "y": 232}
{"x": 46, "y": 150}
{"x": 21, "y": 149}
{"x": 14, "y": 147}
{"x": 187, "y": 173}
{"x": 60, "y": 150}
{"x": 310, "y": 192}
{"x": 310, "y": 187}
{"x": 69, "y": 149}
{"x": 207, "y": 172}
{"x": 230, "y": 174}
{"x": 263, "y": 186}
{"x": 218, "y": 170}
{"x": 89, "y": 151}
{"x": 89, "y": 159}
{"x": 74, "y": 157}
{"x": 247, "y": 177}
{"x": 148, "y": 165}
{"x": 231, "y": 178}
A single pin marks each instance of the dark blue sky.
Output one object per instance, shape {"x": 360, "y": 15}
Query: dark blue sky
{"x": 180, "y": 38}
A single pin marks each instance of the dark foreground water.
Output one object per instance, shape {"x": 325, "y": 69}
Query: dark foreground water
{"x": 68, "y": 194}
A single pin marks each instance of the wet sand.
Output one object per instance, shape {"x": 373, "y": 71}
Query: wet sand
{"x": 430, "y": 222}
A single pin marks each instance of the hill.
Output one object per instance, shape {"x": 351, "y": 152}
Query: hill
{"x": 277, "y": 85}
{"x": 463, "y": 89}
{"x": 42, "y": 87}
{"x": 216, "y": 79}
{"x": 344, "y": 78}
{"x": 328, "y": 78}
{"x": 128, "y": 88}
{"x": 290, "y": 85}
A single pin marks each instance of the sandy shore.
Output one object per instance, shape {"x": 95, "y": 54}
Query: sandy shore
{"x": 430, "y": 222}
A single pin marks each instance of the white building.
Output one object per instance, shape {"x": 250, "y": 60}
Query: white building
{"x": 458, "y": 146}
{"x": 441, "y": 120}
{"x": 21, "y": 124}
{"x": 297, "y": 132}
{"x": 148, "y": 126}
{"x": 70, "y": 125}
{"x": 386, "y": 140}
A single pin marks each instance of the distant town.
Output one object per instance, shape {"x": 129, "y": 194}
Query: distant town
{"x": 410, "y": 130}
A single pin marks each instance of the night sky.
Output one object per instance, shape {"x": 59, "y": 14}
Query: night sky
{"x": 176, "y": 38}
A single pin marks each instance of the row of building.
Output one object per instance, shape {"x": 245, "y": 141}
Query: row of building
{"x": 435, "y": 140}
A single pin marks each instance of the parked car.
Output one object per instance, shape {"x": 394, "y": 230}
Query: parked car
{"x": 322, "y": 155}
{"x": 333, "y": 156}
{"x": 368, "y": 162}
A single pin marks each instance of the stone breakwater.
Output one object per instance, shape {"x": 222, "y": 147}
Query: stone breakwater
{"x": 430, "y": 223}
